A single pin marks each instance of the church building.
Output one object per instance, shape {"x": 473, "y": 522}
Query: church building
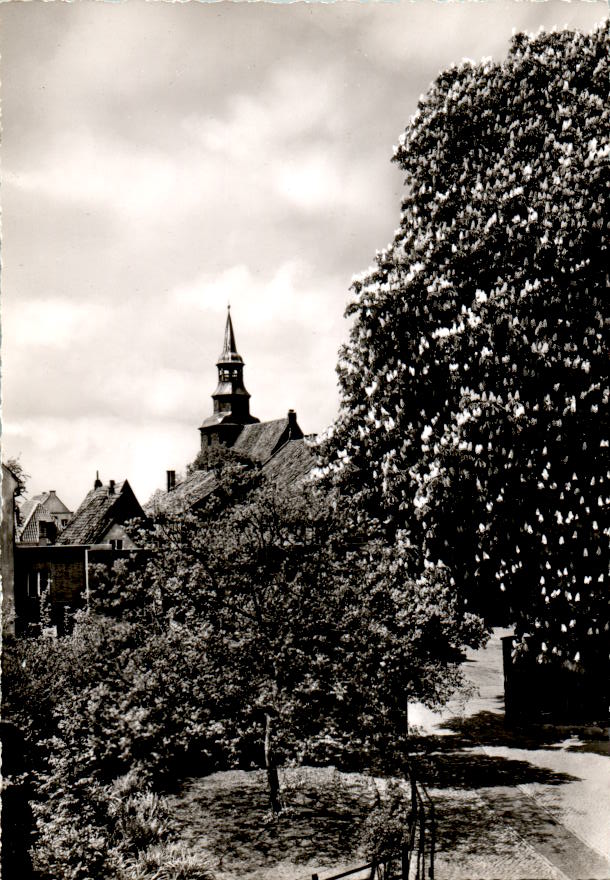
{"x": 231, "y": 423}
{"x": 232, "y": 426}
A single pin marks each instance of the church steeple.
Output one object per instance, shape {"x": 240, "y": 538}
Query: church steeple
{"x": 231, "y": 400}
{"x": 229, "y": 348}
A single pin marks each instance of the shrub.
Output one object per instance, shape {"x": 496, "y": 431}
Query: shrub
{"x": 387, "y": 827}
{"x": 170, "y": 861}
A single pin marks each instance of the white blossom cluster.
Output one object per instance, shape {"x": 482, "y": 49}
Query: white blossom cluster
{"x": 475, "y": 385}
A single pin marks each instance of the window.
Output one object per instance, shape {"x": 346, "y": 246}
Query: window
{"x": 116, "y": 543}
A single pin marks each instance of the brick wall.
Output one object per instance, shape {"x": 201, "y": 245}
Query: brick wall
{"x": 65, "y": 567}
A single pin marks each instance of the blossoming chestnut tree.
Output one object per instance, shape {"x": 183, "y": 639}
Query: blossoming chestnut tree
{"x": 475, "y": 386}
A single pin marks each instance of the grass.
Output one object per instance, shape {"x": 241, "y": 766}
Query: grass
{"x": 476, "y": 770}
{"x": 225, "y": 818}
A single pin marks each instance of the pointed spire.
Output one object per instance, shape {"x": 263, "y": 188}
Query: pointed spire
{"x": 229, "y": 349}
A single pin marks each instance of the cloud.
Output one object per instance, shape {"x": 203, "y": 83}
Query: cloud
{"x": 82, "y": 168}
{"x": 52, "y": 323}
{"x": 288, "y": 296}
{"x": 140, "y": 452}
{"x": 286, "y": 140}
{"x": 293, "y": 105}
{"x": 160, "y": 160}
{"x": 315, "y": 183}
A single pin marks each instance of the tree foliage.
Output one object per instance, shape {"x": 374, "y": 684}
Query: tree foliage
{"x": 259, "y": 630}
{"x": 16, "y": 468}
{"x": 320, "y": 635}
{"x": 475, "y": 384}
{"x": 216, "y": 458}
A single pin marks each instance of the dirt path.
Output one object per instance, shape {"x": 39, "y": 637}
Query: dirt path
{"x": 546, "y": 790}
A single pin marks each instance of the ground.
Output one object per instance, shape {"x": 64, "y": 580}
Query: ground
{"x": 511, "y": 805}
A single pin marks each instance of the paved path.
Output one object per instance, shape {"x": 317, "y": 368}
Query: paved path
{"x": 512, "y": 804}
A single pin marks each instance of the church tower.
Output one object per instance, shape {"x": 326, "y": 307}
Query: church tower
{"x": 231, "y": 400}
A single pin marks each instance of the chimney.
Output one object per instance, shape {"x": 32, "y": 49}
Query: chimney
{"x": 171, "y": 480}
{"x": 98, "y": 483}
{"x": 111, "y": 487}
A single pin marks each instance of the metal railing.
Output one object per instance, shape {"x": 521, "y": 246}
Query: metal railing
{"x": 370, "y": 866}
{"x": 416, "y": 859}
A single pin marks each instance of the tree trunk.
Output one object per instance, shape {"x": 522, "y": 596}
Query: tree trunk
{"x": 272, "y": 776}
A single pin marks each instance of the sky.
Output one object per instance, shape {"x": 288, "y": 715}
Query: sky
{"x": 161, "y": 160}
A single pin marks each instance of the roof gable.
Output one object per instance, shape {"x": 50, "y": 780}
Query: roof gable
{"x": 97, "y": 513}
{"x": 52, "y": 503}
{"x": 32, "y": 514}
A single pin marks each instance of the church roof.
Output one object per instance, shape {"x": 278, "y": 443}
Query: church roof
{"x": 260, "y": 441}
{"x": 185, "y": 495}
{"x": 288, "y": 465}
{"x": 291, "y": 464}
{"x": 103, "y": 507}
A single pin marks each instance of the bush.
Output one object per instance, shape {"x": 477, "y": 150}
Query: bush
{"x": 386, "y": 829}
{"x": 89, "y": 831}
{"x": 108, "y": 712}
{"x": 170, "y": 861}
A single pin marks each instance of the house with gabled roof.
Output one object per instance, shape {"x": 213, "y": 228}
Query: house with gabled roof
{"x": 36, "y": 526}
{"x": 42, "y": 518}
{"x": 101, "y": 517}
{"x": 55, "y": 506}
{"x": 96, "y": 534}
{"x": 279, "y": 446}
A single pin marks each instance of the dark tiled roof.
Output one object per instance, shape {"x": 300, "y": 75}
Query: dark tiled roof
{"x": 99, "y": 511}
{"x": 32, "y": 514}
{"x": 291, "y": 463}
{"x": 184, "y": 496}
{"x": 27, "y": 508}
{"x": 260, "y": 441}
